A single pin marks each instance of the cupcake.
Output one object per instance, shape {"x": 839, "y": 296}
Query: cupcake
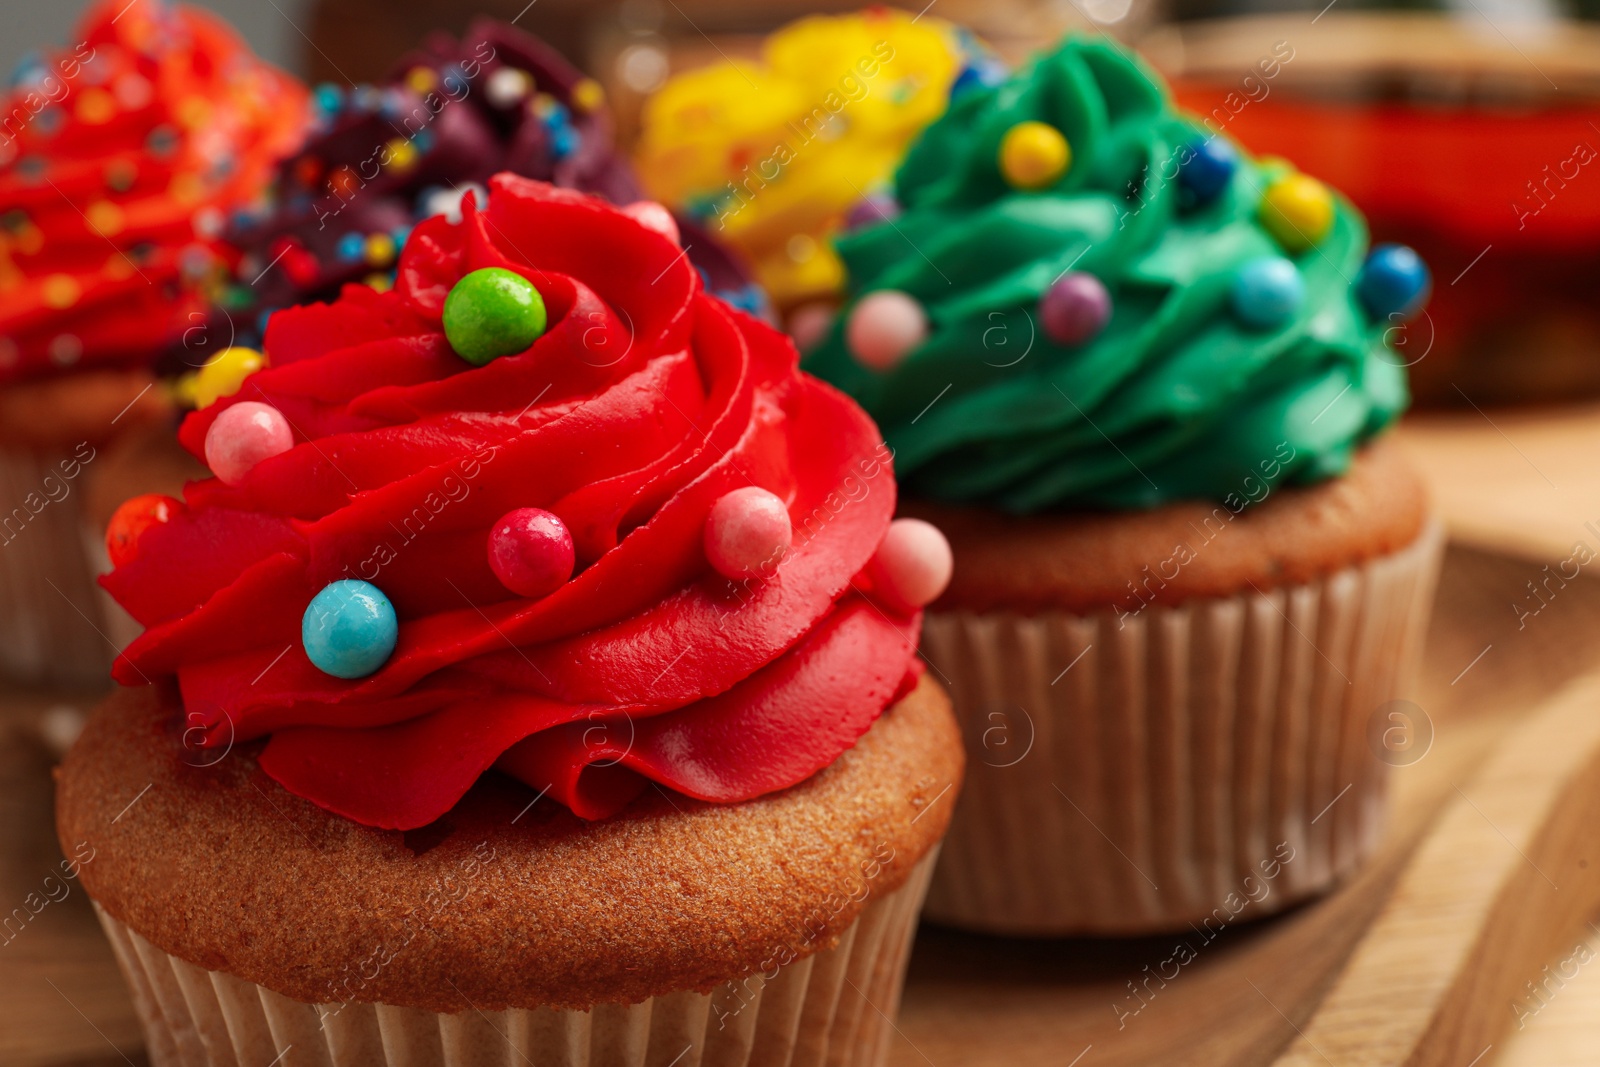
{"x": 1141, "y": 381}
{"x": 119, "y": 159}
{"x": 772, "y": 156}
{"x": 535, "y": 676}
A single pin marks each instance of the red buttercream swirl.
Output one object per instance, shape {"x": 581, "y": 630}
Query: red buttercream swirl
{"x": 643, "y": 404}
{"x": 119, "y": 158}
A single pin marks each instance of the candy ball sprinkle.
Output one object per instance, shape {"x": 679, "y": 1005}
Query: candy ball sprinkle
{"x": 224, "y": 374}
{"x": 1208, "y": 169}
{"x": 531, "y": 552}
{"x": 1267, "y": 292}
{"x": 349, "y": 629}
{"x": 131, "y": 519}
{"x": 244, "y": 435}
{"x": 492, "y": 312}
{"x": 912, "y": 566}
{"x": 884, "y": 327}
{"x": 1075, "y": 309}
{"x": 1298, "y": 211}
{"x": 1034, "y": 155}
{"x": 1394, "y": 281}
{"x": 747, "y": 532}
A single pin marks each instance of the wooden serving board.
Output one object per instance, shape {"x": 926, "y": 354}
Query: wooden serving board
{"x": 1419, "y": 960}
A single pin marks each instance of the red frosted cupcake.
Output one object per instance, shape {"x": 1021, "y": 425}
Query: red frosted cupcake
{"x": 118, "y": 161}
{"x": 561, "y": 567}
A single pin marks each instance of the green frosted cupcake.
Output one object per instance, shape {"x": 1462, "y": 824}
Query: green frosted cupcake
{"x": 1141, "y": 380}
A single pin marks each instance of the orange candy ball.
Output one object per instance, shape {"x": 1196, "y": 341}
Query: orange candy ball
{"x": 131, "y": 519}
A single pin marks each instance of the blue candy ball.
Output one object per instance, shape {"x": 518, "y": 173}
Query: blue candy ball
{"x": 1267, "y": 292}
{"x": 328, "y": 97}
{"x": 349, "y": 629}
{"x": 1393, "y": 282}
{"x": 1209, "y": 169}
{"x": 352, "y": 246}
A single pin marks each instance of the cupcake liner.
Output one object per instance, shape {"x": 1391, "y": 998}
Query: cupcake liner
{"x": 1199, "y": 764}
{"x": 51, "y": 625}
{"x": 831, "y": 1009}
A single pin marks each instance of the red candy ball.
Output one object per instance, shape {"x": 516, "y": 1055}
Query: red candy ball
{"x": 912, "y": 566}
{"x": 244, "y": 435}
{"x": 530, "y": 551}
{"x": 747, "y": 533}
{"x": 131, "y": 519}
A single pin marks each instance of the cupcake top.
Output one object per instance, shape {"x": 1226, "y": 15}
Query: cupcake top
{"x": 1088, "y": 301}
{"x": 545, "y": 506}
{"x": 772, "y": 155}
{"x": 118, "y": 161}
{"x": 378, "y": 158}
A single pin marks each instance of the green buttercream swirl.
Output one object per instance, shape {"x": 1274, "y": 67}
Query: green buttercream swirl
{"x": 1176, "y": 399}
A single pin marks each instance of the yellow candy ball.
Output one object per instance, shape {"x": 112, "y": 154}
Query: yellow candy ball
{"x": 380, "y": 250}
{"x": 1298, "y": 211}
{"x": 1034, "y": 155}
{"x": 224, "y": 374}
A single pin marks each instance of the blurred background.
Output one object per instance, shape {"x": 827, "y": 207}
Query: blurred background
{"x": 1396, "y": 104}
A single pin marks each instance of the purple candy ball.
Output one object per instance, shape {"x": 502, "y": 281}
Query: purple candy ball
{"x": 876, "y": 208}
{"x": 1075, "y": 308}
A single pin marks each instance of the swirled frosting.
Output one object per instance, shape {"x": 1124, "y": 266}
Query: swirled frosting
{"x": 1176, "y": 398}
{"x": 118, "y": 161}
{"x": 644, "y": 403}
{"x": 771, "y": 155}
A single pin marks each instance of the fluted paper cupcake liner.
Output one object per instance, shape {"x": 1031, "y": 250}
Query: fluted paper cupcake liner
{"x": 831, "y": 1009}
{"x": 1200, "y": 764}
{"x": 51, "y": 626}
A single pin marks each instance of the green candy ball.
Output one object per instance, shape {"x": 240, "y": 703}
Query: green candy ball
{"x": 491, "y": 313}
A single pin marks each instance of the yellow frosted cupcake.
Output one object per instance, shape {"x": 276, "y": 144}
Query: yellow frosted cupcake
{"x": 773, "y": 154}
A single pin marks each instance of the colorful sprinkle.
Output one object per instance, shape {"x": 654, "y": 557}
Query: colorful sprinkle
{"x": 493, "y": 312}
{"x": 380, "y": 250}
{"x": 61, "y": 291}
{"x": 1075, "y": 309}
{"x": 1208, "y": 169}
{"x": 105, "y": 218}
{"x": 243, "y": 436}
{"x": 912, "y": 566}
{"x": 131, "y": 519}
{"x": 1267, "y": 292}
{"x": 588, "y": 96}
{"x": 1034, "y": 155}
{"x": 747, "y": 533}
{"x": 531, "y": 552}
{"x": 352, "y": 247}
{"x": 1298, "y": 211}
{"x": 224, "y": 374}
{"x": 349, "y": 629}
{"x": 884, "y": 328}
{"x": 507, "y": 87}
{"x": 96, "y": 107}
{"x": 421, "y": 80}
{"x": 1394, "y": 282}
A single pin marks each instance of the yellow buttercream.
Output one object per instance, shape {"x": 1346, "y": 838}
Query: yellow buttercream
{"x": 772, "y": 155}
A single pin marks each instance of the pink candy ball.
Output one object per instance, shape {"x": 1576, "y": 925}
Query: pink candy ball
{"x": 530, "y": 551}
{"x": 653, "y": 216}
{"x": 747, "y": 533}
{"x": 244, "y": 435}
{"x": 884, "y": 327}
{"x": 809, "y": 324}
{"x": 912, "y": 566}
